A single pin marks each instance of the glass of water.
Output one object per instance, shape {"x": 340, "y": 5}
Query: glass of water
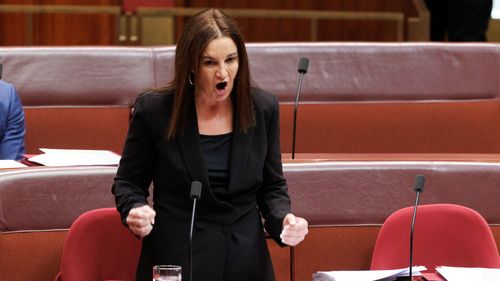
{"x": 167, "y": 273}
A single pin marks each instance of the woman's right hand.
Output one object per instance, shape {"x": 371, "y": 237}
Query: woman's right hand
{"x": 140, "y": 220}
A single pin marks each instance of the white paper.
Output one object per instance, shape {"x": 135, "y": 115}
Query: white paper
{"x": 75, "y": 157}
{"x": 9, "y": 164}
{"x": 366, "y": 275}
{"x": 469, "y": 273}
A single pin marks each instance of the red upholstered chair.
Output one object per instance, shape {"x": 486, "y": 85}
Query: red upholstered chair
{"x": 98, "y": 247}
{"x": 445, "y": 234}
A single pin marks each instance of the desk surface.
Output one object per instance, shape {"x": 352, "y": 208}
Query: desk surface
{"x": 461, "y": 157}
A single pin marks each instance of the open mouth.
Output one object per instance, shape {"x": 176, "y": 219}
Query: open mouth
{"x": 221, "y": 85}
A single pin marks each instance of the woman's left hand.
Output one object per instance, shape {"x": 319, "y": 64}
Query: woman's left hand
{"x": 294, "y": 230}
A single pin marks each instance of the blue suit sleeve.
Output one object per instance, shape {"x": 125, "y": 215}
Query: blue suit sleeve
{"x": 12, "y": 129}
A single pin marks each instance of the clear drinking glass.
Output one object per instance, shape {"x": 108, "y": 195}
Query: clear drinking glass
{"x": 167, "y": 273}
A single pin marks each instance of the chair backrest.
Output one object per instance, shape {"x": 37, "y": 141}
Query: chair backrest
{"x": 98, "y": 247}
{"x": 445, "y": 234}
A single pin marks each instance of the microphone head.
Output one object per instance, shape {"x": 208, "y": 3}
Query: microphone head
{"x": 195, "y": 190}
{"x": 419, "y": 183}
{"x": 303, "y": 65}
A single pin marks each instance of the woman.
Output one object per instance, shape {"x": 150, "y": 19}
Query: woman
{"x": 207, "y": 125}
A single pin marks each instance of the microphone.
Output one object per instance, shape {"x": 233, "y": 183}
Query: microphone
{"x": 419, "y": 187}
{"x": 195, "y": 195}
{"x": 1, "y": 70}
{"x": 303, "y": 65}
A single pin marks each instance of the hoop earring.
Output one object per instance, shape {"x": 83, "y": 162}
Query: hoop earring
{"x": 191, "y": 79}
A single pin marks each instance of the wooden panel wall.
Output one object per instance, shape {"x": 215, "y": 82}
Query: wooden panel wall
{"x": 12, "y": 26}
{"x": 58, "y": 29}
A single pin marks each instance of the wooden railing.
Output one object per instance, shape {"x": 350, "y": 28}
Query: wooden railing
{"x": 129, "y": 26}
{"x": 313, "y": 16}
{"x": 419, "y": 26}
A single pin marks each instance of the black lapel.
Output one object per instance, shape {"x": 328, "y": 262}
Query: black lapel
{"x": 241, "y": 147}
{"x": 190, "y": 146}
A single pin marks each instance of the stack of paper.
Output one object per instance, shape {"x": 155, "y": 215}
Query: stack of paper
{"x": 10, "y": 164}
{"x": 366, "y": 275}
{"x": 469, "y": 273}
{"x": 75, "y": 157}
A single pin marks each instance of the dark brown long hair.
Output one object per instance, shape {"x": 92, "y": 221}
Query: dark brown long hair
{"x": 198, "y": 32}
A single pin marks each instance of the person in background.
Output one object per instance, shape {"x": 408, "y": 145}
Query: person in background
{"x": 459, "y": 20}
{"x": 211, "y": 125}
{"x": 12, "y": 127}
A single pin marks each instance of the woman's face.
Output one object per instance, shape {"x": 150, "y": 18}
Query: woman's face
{"x": 219, "y": 67}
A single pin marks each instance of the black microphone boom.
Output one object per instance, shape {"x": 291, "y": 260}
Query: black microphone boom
{"x": 419, "y": 187}
{"x": 195, "y": 195}
{"x": 303, "y": 65}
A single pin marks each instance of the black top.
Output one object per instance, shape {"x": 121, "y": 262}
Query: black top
{"x": 217, "y": 155}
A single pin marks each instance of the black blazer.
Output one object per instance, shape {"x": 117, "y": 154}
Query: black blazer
{"x": 228, "y": 241}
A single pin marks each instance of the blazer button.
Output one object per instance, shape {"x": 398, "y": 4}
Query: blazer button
{"x": 226, "y": 229}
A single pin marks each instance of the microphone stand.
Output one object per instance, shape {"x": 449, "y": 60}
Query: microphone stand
{"x": 419, "y": 187}
{"x": 411, "y": 233}
{"x": 191, "y": 242}
{"x": 195, "y": 194}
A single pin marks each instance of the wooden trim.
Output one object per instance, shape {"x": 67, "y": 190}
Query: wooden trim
{"x": 314, "y": 30}
{"x": 419, "y": 27}
{"x": 62, "y": 9}
{"x": 29, "y": 28}
{"x": 276, "y": 13}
